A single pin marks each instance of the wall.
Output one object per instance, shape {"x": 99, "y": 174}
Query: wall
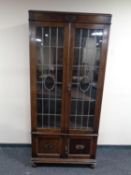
{"x": 14, "y": 68}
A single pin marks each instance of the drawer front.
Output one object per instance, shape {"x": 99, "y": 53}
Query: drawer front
{"x": 79, "y": 146}
{"x": 48, "y": 146}
{"x": 82, "y": 147}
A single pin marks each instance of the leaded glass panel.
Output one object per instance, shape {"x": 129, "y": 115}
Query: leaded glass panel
{"x": 49, "y": 44}
{"x": 84, "y": 77}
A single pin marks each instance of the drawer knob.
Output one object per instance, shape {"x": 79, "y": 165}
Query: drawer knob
{"x": 80, "y": 147}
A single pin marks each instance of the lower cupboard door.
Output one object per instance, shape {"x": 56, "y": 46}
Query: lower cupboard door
{"x": 82, "y": 147}
{"x": 47, "y": 146}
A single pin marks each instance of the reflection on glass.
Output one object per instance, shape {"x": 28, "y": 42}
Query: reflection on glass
{"x": 84, "y": 77}
{"x": 50, "y": 42}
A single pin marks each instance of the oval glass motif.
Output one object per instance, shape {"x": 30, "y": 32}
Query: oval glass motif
{"x": 84, "y": 84}
{"x": 49, "y": 82}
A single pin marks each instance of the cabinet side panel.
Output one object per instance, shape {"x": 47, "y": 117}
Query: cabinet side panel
{"x": 101, "y": 77}
{"x": 32, "y": 75}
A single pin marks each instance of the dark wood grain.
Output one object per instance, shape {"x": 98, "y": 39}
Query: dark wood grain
{"x": 62, "y": 16}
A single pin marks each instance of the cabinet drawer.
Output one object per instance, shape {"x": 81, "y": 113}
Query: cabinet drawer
{"x": 46, "y": 145}
{"x": 81, "y": 146}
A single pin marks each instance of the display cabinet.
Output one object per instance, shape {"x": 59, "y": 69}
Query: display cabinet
{"x": 67, "y": 67}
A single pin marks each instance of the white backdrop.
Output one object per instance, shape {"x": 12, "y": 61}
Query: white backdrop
{"x": 115, "y": 125}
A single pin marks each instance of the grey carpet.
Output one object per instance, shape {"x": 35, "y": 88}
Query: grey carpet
{"x": 110, "y": 161}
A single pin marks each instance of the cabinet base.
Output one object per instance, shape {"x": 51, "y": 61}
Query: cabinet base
{"x": 90, "y": 162}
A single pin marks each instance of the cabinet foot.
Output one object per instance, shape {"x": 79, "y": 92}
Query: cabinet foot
{"x": 92, "y": 166}
{"x": 34, "y": 165}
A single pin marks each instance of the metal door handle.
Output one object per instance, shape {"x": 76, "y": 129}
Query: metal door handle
{"x": 66, "y": 149}
{"x": 69, "y": 87}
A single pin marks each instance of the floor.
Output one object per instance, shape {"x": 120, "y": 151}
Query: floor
{"x": 15, "y": 160}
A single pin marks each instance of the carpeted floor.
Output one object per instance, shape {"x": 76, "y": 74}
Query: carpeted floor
{"x": 110, "y": 161}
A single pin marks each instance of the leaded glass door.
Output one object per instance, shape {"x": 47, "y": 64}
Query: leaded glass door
{"x": 49, "y": 54}
{"x": 86, "y": 53}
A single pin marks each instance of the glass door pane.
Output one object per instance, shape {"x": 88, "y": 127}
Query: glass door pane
{"x": 85, "y": 68}
{"x": 50, "y": 43}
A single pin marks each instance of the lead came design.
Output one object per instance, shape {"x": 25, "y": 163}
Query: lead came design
{"x": 49, "y": 83}
{"x": 85, "y": 84}
{"x": 85, "y": 76}
{"x": 49, "y": 75}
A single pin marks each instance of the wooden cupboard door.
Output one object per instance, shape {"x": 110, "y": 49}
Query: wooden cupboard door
{"x": 87, "y": 44}
{"x": 48, "y": 57}
{"x": 47, "y": 146}
{"x": 81, "y": 147}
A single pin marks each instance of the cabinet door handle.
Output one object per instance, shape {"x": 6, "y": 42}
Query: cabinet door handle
{"x": 69, "y": 87}
{"x": 66, "y": 149}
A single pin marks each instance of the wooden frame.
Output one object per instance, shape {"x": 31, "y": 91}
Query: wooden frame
{"x": 69, "y": 22}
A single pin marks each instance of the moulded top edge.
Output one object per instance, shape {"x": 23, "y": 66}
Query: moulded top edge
{"x": 65, "y": 12}
{"x": 52, "y": 16}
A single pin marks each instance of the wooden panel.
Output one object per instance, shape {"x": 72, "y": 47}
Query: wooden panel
{"x": 79, "y": 146}
{"x": 82, "y": 146}
{"x": 33, "y": 76}
{"x": 64, "y": 161}
{"x": 47, "y": 146}
{"x": 70, "y": 17}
